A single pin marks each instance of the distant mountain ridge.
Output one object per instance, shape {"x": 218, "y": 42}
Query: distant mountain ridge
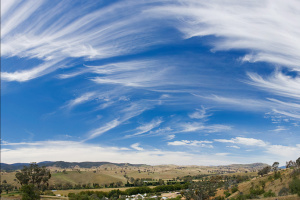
{"x": 63, "y": 165}
{"x": 252, "y": 165}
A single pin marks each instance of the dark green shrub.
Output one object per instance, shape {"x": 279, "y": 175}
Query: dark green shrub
{"x": 234, "y": 189}
{"x": 219, "y": 198}
{"x": 269, "y": 194}
{"x": 49, "y": 193}
{"x": 277, "y": 175}
{"x": 29, "y": 192}
{"x": 295, "y": 186}
{"x": 227, "y": 193}
{"x": 283, "y": 192}
{"x": 256, "y": 191}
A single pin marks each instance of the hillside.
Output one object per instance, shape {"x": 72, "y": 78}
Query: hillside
{"x": 64, "y": 165}
{"x": 268, "y": 183}
{"x": 89, "y": 165}
{"x": 105, "y": 173}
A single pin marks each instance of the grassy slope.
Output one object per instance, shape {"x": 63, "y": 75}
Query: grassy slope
{"x": 274, "y": 185}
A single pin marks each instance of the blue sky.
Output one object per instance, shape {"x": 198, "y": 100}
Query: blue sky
{"x": 154, "y": 82}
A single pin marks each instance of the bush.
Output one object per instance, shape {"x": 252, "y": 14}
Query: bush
{"x": 29, "y": 192}
{"x": 239, "y": 197}
{"x": 295, "y": 186}
{"x": 283, "y": 192}
{"x": 264, "y": 171}
{"x": 227, "y": 193}
{"x": 269, "y": 194}
{"x": 256, "y": 191}
{"x": 277, "y": 175}
{"x": 219, "y": 198}
{"x": 234, "y": 189}
{"x": 49, "y": 193}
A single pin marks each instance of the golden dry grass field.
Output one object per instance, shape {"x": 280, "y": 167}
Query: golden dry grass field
{"x": 106, "y": 174}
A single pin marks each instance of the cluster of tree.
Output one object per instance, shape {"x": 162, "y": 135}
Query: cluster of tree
{"x": 6, "y": 187}
{"x": 88, "y": 195}
{"x": 116, "y": 194}
{"x": 131, "y": 182}
{"x": 293, "y": 164}
{"x": 223, "y": 180}
{"x": 202, "y": 190}
{"x": 135, "y": 183}
{"x": 67, "y": 186}
{"x": 264, "y": 170}
{"x": 33, "y": 180}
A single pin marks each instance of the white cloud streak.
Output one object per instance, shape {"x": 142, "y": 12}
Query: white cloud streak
{"x": 102, "y": 129}
{"x": 277, "y": 152}
{"x": 266, "y": 28}
{"x": 244, "y": 141}
{"x": 58, "y": 34}
{"x": 278, "y": 83}
{"x": 136, "y": 146}
{"x": 81, "y": 99}
{"x": 29, "y": 74}
{"x": 195, "y": 143}
{"x": 64, "y": 150}
{"x": 132, "y": 110}
{"x": 283, "y": 85}
{"x": 147, "y": 127}
{"x": 195, "y": 126}
{"x": 233, "y": 146}
{"x": 199, "y": 114}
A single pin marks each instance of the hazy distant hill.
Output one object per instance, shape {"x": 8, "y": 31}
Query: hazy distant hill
{"x": 63, "y": 165}
{"x": 249, "y": 166}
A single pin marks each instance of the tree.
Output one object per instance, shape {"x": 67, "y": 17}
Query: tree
{"x": 265, "y": 170}
{"x": 6, "y": 187}
{"x": 201, "y": 190}
{"x": 35, "y": 175}
{"x": 32, "y": 179}
{"x": 29, "y": 192}
{"x": 298, "y": 162}
{"x": 290, "y": 164}
{"x": 275, "y": 166}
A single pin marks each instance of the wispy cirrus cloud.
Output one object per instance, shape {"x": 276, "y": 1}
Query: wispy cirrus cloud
{"x": 81, "y": 99}
{"x": 249, "y": 25}
{"x": 278, "y": 83}
{"x": 199, "y": 114}
{"x": 279, "y": 152}
{"x": 244, "y": 141}
{"x": 191, "y": 143}
{"x": 58, "y": 34}
{"x": 29, "y": 74}
{"x": 131, "y": 110}
{"x": 136, "y": 146}
{"x": 284, "y": 86}
{"x": 102, "y": 129}
{"x": 279, "y": 129}
{"x": 233, "y": 146}
{"x": 135, "y": 74}
{"x": 291, "y": 114}
{"x": 196, "y": 126}
{"x": 239, "y": 102}
{"x": 145, "y": 128}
